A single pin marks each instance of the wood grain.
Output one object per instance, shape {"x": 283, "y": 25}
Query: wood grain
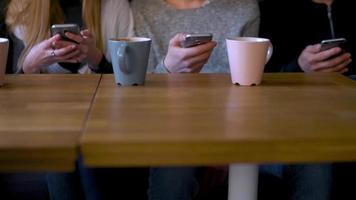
{"x": 41, "y": 119}
{"x": 201, "y": 119}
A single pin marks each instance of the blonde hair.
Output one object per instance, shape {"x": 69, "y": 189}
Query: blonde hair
{"x": 92, "y": 20}
{"x": 34, "y": 17}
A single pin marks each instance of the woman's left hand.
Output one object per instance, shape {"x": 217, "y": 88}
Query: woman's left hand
{"x": 88, "y": 50}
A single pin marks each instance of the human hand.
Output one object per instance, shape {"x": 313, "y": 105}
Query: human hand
{"x": 187, "y": 60}
{"x": 46, "y": 53}
{"x": 87, "y": 46}
{"x": 313, "y": 60}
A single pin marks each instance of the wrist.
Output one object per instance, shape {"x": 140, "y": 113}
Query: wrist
{"x": 95, "y": 59}
{"x": 165, "y": 66}
{"x": 29, "y": 68}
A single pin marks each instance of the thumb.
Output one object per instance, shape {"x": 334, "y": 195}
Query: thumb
{"x": 86, "y": 33}
{"x": 177, "y": 39}
{"x": 314, "y": 48}
{"x": 49, "y": 43}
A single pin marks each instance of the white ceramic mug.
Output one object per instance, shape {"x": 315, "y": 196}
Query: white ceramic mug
{"x": 247, "y": 58}
{"x": 4, "y": 48}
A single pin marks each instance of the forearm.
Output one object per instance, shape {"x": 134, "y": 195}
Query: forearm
{"x": 95, "y": 58}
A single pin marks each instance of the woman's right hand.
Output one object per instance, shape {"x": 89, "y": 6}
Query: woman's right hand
{"x": 187, "y": 60}
{"x": 48, "y": 52}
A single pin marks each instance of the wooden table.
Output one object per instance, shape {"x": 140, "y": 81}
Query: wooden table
{"x": 41, "y": 119}
{"x": 201, "y": 119}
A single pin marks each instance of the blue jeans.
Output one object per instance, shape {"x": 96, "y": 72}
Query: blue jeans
{"x": 297, "y": 182}
{"x": 353, "y": 77}
{"x": 303, "y": 181}
{"x": 64, "y": 186}
{"x": 99, "y": 183}
{"x": 173, "y": 183}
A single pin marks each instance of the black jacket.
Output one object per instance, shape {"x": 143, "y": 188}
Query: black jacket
{"x": 307, "y": 24}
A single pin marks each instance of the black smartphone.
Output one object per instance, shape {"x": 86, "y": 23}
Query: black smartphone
{"x": 331, "y": 43}
{"x": 191, "y": 40}
{"x": 61, "y": 29}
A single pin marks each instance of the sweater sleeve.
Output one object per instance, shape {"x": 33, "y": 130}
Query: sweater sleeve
{"x": 251, "y": 28}
{"x": 161, "y": 68}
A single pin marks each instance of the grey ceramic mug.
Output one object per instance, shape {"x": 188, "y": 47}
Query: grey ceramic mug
{"x": 129, "y": 59}
{"x": 4, "y": 48}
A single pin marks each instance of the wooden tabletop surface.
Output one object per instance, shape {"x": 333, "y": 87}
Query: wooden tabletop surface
{"x": 202, "y": 119}
{"x": 41, "y": 119}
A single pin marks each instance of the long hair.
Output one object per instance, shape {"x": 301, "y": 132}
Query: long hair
{"x": 34, "y": 17}
{"x": 92, "y": 20}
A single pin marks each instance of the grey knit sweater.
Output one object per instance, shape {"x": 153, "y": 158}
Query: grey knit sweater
{"x": 223, "y": 18}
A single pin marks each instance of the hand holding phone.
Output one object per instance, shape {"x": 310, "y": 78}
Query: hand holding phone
{"x": 187, "y": 60}
{"x": 324, "y": 57}
{"x": 191, "y": 40}
{"x": 62, "y": 29}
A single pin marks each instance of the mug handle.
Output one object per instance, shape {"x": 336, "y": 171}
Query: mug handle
{"x": 122, "y": 59}
{"x": 269, "y": 52}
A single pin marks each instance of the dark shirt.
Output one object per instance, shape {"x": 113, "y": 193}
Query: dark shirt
{"x": 294, "y": 24}
{"x": 2, "y": 19}
{"x": 4, "y": 33}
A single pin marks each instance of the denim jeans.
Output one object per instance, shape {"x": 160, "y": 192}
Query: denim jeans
{"x": 99, "y": 183}
{"x": 64, "y": 186}
{"x": 303, "y": 181}
{"x": 296, "y": 182}
{"x": 173, "y": 183}
{"x": 353, "y": 77}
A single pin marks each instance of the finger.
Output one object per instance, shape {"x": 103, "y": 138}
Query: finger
{"x": 197, "y": 67}
{"x": 73, "y": 60}
{"x": 344, "y": 70}
{"x": 86, "y": 33}
{"x": 324, "y": 55}
{"x": 196, "y": 63}
{"x": 199, "y": 58}
{"x": 176, "y": 40}
{"x": 313, "y": 48}
{"x": 61, "y": 43}
{"x": 74, "y": 37}
{"x": 64, "y": 51}
{"x": 49, "y": 42}
{"x": 187, "y": 53}
{"x": 184, "y": 70}
{"x": 338, "y": 68}
{"x": 332, "y": 62}
{"x": 70, "y": 55}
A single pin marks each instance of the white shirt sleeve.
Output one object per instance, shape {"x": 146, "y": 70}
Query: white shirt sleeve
{"x": 116, "y": 21}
